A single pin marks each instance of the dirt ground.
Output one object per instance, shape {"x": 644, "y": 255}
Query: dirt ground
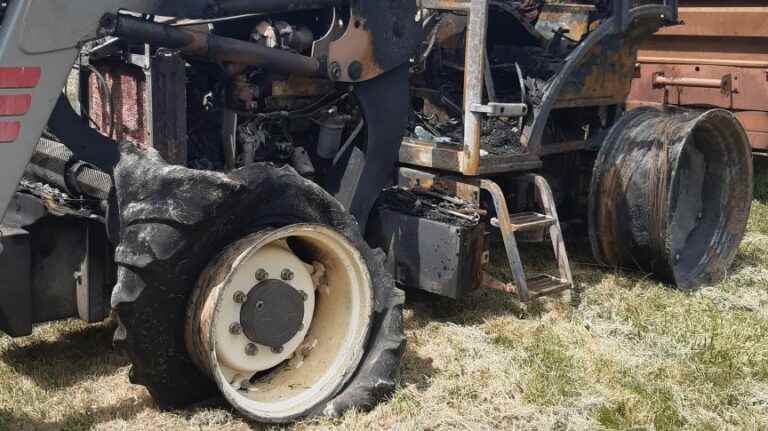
{"x": 633, "y": 355}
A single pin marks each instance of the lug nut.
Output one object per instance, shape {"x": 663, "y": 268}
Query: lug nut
{"x": 235, "y": 329}
{"x": 239, "y": 297}
{"x": 304, "y": 296}
{"x": 251, "y": 349}
{"x": 286, "y": 275}
{"x": 277, "y": 350}
{"x": 262, "y": 275}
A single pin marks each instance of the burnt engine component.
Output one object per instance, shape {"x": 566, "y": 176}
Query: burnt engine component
{"x": 434, "y": 242}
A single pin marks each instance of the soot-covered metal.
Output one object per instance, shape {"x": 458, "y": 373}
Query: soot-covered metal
{"x": 671, "y": 194}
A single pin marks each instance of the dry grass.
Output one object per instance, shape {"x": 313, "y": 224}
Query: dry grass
{"x": 633, "y": 355}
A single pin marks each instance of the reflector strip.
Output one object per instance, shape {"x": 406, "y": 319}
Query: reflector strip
{"x": 9, "y": 131}
{"x": 15, "y": 104}
{"x": 19, "y": 77}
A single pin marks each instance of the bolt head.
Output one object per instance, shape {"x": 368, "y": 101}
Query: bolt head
{"x": 235, "y": 329}
{"x": 335, "y": 71}
{"x": 277, "y": 350}
{"x": 240, "y": 297}
{"x": 304, "y": 296}
{"x": 251, "y": 349}
{"x": 262, "y": 275}
{"x": 286, "y": 275}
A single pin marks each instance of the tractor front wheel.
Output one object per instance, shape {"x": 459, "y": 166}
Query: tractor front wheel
{"x": 256, "y": 285}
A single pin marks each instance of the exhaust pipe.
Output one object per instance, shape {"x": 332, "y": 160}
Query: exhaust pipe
{"x": 216, "y": 48}
{"x": 671, "y": 193}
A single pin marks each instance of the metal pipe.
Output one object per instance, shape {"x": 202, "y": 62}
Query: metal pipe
{"x": 662, "y": 81}
{"x": 454, "y": 5}
{"x": 216, "y": 48}
{"x": 239, "y": 7}
{"x": 473, "y": 85}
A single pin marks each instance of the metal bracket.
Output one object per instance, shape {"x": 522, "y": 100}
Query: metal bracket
{"x": 495, "y": 109}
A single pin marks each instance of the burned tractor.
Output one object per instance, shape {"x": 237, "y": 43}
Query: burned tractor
{"x": 248, "y": 184}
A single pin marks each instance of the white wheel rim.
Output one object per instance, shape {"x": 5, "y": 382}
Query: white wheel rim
{"x": 320, "y": 358}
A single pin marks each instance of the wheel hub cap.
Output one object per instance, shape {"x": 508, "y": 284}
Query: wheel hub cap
{"x": 273, "y": 313}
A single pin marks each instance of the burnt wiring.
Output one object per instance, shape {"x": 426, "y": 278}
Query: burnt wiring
{"x": 305, "y": 112}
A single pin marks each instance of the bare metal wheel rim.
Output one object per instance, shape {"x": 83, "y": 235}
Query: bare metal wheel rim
{"x": 313, "y": 287}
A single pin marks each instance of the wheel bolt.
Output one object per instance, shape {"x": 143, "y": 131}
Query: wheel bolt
{"x": 286, "y": 275}
{"x": 235, "y": 329}
{"x": 304, "y": 296}
{"x": 262, "y": 275}
{"x": 277, "y": 350}
{"x": 251, "y": 349}
{"x": 240, "y": 297}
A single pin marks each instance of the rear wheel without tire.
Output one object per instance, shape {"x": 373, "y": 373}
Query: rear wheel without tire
{"x": 671, "y": 194}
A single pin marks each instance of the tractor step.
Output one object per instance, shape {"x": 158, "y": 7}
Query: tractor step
{"x": 544, "y": 285}
{"x": 528, "y": 289}
{"x": 529, "y": 221}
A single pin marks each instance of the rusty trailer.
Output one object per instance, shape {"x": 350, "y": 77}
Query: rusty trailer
{"x": 716, "y": 57}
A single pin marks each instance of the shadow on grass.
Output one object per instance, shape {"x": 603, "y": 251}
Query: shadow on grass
{"x": 483, "y": 304}
{"x": 761, "y": 179}
{"x": 68, "y": 360}
{"x": 417, "y": 370}
{"x": 76, "y": 421}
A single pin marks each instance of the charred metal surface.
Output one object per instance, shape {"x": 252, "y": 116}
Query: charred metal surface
{"x": 367, "y": 167}
{"x": 434, "y": 241}
{"x": 223, "y": 8}
{"x": 578, "y": 54}
{"x": 379, "y": 37}
{"x": 671, "y": 194}
{"x": 15, "y": 282}
{"x": 216, "y": 48}
{"x": 575, "y": 18}
{"x": 51, "y": 253}
{"x": 645, "y": 20}
{"x": 603, "y": 76}
{"x": 167, "y": 93}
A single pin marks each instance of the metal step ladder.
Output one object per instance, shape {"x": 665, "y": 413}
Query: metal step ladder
{"x": 528, "y": 289}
